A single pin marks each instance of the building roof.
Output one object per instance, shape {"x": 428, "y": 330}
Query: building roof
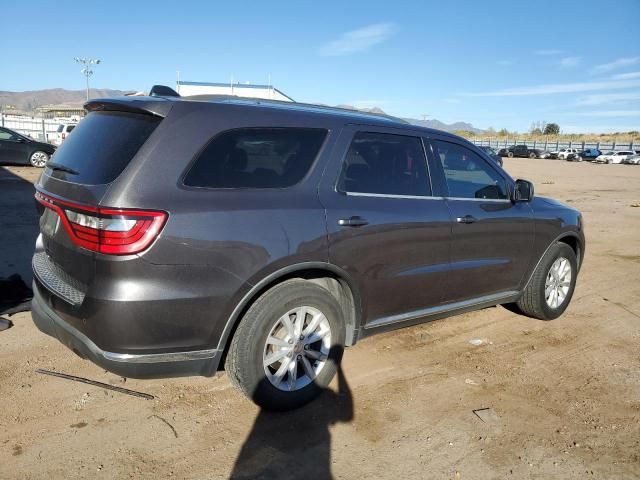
{"x": 235, "y": 86}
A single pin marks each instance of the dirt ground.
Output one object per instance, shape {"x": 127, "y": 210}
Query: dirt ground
{"x": 565, "y": 394}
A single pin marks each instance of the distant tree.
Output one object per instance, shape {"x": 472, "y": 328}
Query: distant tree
{"x": 490, "y": 131}
{"x": 503, "y": 132}
{"x": 552, "y": 129}
{"x": 536, "y": 131}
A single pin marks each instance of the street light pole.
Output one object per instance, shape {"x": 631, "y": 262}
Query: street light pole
{"x": 86, "y": 71}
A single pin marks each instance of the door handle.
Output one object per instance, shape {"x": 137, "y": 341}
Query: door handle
{"x": 354, "y": 221}
{"x": 466, "y": 219}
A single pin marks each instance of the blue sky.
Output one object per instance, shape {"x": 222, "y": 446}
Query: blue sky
{"x": 491, "y": 63}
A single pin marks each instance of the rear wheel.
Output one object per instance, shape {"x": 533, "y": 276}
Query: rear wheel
{"x": 510, "y": 154}
{"x": 551, "y": 287}
{"x": 287, "y": 346}
{"x": 39, "y": 159}
{"x": 532, "y": 155}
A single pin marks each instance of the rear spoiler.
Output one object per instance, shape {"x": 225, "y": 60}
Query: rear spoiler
{"x": 163, "y": 91}
{"x": 157, "y": 106}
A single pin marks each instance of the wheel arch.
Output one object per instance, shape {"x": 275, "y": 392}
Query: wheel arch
{"x": 569, "y": 238}
{"x": 328, "y": 276}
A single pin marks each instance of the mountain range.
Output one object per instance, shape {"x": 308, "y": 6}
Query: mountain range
{"x": 29, "y": 101}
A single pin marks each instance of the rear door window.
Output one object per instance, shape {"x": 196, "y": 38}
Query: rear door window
{"x": 103, "y": 145}
{"x": 385, "y": 164}
{"x": 256, "y": 158}
{"x": 468, "y": 175}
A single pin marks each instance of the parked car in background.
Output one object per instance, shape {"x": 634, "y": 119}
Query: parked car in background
{"x": 276, "y": 236}
{"x": 63, "y": 131}
{"x": 615, "y": 157}
{"x": 632, "y": 160}
{"x": 492, "y": 153}
{"x": 588, "y": 154}
{"x": 522, "y": 151}
{"x": 16, "y": 148}
{"x": 565, "y": 152}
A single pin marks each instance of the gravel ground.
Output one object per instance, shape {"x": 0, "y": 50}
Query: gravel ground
{"x": 564, "y": 395}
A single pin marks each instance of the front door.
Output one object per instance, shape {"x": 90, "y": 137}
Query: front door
{"x": 385, "y": 228}
{"x": 492, "y": 236}
{"x": 12, "y": 147}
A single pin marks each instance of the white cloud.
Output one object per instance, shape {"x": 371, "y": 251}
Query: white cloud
{"x": 358, "y": 40}
{"x": 548, "y": 52}
{"x": 598, "y": 128}
{"x": 619, "y": 63}
{"x": 550, "y": 89}
{"x": 611, "y": 113}
{"x": 569, "y": 62}
{"x": 626, "y": 76}
{"x": 607, "y": 98}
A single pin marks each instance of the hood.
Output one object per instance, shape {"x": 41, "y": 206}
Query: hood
{"x": 553, "y": 202}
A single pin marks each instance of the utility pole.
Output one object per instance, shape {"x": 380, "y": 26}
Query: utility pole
{"x": 86, "y": 71}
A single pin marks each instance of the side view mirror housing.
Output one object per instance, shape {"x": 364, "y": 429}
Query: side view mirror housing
{"x": 522, "y": 191}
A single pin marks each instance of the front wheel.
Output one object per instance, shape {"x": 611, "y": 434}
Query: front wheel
{"x": 39, "y": 159}
{"x": 287, "y": 346}
{"x": 551, "y": 287}
{"x": 510, "y": 155}
{"x": 532, "y": 155}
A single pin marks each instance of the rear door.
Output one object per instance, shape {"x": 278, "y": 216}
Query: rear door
{"x": 492, "y": 236}
{"x": 385, "y": 227}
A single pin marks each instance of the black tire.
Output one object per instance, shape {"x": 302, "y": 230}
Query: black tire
{"x": 244, "y": 363}
{"x": 532, "y": 155}
{"x": 510, "y": 154}
{"x": 532, "y": 302}
{"x": 39, "y": 159}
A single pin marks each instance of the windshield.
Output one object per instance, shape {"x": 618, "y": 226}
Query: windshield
{"x": 102, "y": 146}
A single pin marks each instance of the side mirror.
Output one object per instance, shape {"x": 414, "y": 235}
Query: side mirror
{"x": 20, "y": 140}
{"x": 522, "y": 191}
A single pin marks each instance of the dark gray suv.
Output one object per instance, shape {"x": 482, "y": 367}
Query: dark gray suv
{"x": 179, "y": 236}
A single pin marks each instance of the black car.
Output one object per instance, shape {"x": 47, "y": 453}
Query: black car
{"x": 588, "y": 154}
{"x": 522, "y": 151}
{"x": 20, "y": 150}
{"x": 179, "y": 236}
{"x": 492, "y": 153}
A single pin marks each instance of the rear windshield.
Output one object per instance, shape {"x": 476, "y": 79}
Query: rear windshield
{"x": 101, "y": 148}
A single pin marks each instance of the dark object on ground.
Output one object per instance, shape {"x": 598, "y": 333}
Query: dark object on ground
{"x": 126, "y": 391}
{"x": 15, "y": 296}
{"x": 487, "y": 415}
{"x": 275, "y": 235}
{"x": 492, "y": 153}
{"x": 5, "y": 324}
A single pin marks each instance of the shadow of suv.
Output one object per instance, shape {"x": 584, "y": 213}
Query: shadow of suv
{"x": 179, "y": 236}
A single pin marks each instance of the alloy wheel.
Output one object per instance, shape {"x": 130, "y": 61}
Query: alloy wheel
{"x": 297, "y": 348}
{"x": 558, "y": 283}
{"x": 39, "y": 159}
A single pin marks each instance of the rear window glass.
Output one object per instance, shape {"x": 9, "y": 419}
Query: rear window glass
{"x": 70, "y": 128}
{"x": 256, "y": 158}
{"x": 103, "y": 145}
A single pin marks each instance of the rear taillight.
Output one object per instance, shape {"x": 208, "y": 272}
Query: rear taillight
{"x": 113, "y": 231}
{"x": 64, "y": 135}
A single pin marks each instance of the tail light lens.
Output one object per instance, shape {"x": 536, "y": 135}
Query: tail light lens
{"x": 64, "y": 135}
{"x": 112, "y": 231}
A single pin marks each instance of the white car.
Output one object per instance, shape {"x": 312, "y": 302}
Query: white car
{"x": 565, "y": 152}
{"x": 63, "y": 131}
{"x": 615, "y": 157}
{"x": 633, "y": 160}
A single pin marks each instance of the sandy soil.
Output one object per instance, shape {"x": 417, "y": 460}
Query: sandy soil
{"x": 565, "y": 394}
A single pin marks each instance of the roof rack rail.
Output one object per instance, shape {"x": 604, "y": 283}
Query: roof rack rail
{"x": 163, "y": 91}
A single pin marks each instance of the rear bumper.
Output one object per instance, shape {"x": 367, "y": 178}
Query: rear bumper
{"x": 148, "y": 365}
